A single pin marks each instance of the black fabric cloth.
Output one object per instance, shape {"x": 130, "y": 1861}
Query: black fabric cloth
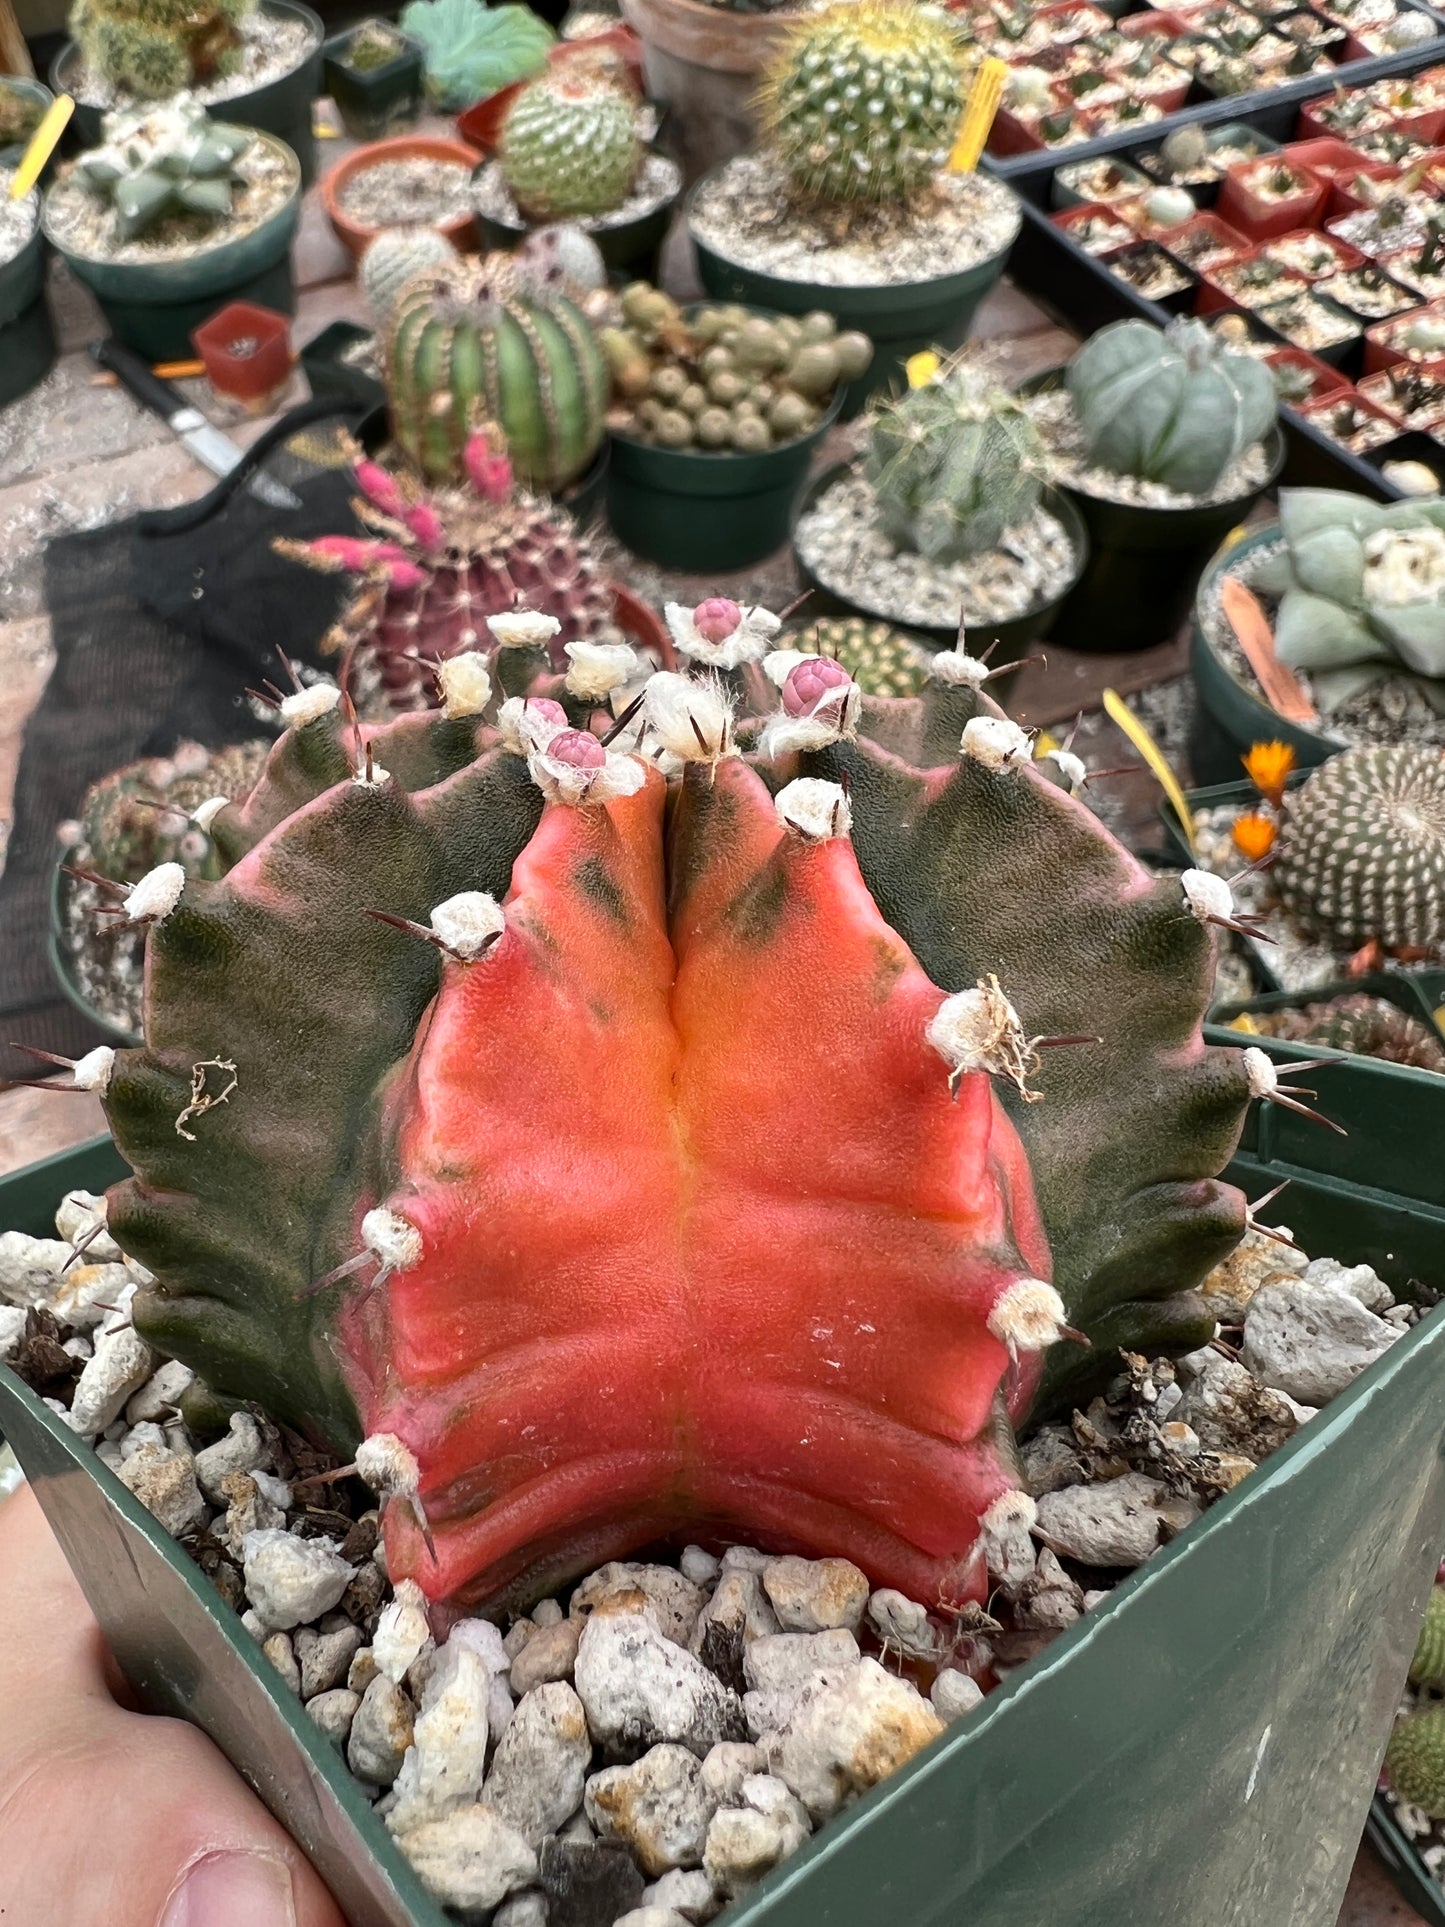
{"x": 159, "y": 624}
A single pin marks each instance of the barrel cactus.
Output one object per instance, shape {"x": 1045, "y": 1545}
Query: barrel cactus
{"x": 155, "y": 48}
{"x": 1169, "y": 405}
{"x": 953, "y": 464}
{"x": 1427, "y": 1666}
{"x": 515, "y": 1108}
{"x": 569, "y": 148}
{"x": 1362, "y": 592}
{"x": 442, "y": 564}
{"x": 880, "y": 660}
{"x": 1415, "y": 1760}
{"x": 466, "y": 345}
{"x": 1361, "y": 850}
{"x": 163, "y": 160}
{"x": 863, "y": 100}
{"x": 396, "y": 256}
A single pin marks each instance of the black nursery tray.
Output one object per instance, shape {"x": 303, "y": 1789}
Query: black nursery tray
{"x": 1080, "y": 287}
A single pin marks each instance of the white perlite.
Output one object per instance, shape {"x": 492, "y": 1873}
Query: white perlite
{"x": 659, "y": 1807}
{"x": 673, "y": 1602}
{"x": 745, "y": 214}
{"x": 290, "y": 1579}
{"x": 815, "y": 1595}
{"x": 640, "y": 1689}
{"x": 747, "y": 1840}
{"x": 848, "y": 1731}
{"x": 1117, "y": 1523}
{"x": 121, "y": 1365}
{"x": 446, "y": 1761}
{"x": 1311, "y": 1341}
{"x": 402, "y": 1633}
{"x": 541, "y": 1762}
{"x": 471, "y": 1860}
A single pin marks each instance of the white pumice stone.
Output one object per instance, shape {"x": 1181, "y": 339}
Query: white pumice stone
{"x": 154, "y": 896}
{"x": 550, "y": 1654}
{"x": 334, "y": 1711}
{"x": 13, "y": 1319}
{"x": 402, "y": 1632}
{"x": 446, "y": 1761}
{"x": 953, "y": 1694}
{"x": 241, "y": 1450}
{"x": 687, "y": 1892}
{"x": 278, "y": 1650}
{"x": 547, "y": 1612}
{"x": 1311, "y": 1341}
{"x": 815, "y": 1595}
{"x": 744, "y": 1842}
{"x": 84, "y": 1295}
{"x": 325, "y": 1658}
{"x": 468, "y": 923}
{"x": 996, "y": 743}
{"x": 848, "y": 1731}
{"x": 159, "y": 1397}
{"x": 310, "y": 704}
{"x": 380, "y": 1733}
{"x": 658, "y": 1807}
{"x": 79, "y": 1213}
{"x": 291, "y": 1580}
{"x": 813, "y": 809}
{"x": 640, "y": 1689}
{"x": 1117, "y": 1522}
{"x": 471, "y": 1860}
{"x": 540, "y": 1766}
{"x": 699, "y": 1566}
{"x": 725, "y": 1767}
{"x": 30, "y": 1268}
{"x": 673, "y": 1601}
{"x": 121, "y": 1364}
{"x": 165, "y": 1484}
{"x": 465, "y": 683}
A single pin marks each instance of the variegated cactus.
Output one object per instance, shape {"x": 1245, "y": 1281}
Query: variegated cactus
{"x": 600, "y": 1140}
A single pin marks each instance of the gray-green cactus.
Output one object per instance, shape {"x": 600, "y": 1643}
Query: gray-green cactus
{"x": 1169, "y": 405}
{"x": 1362, "y": 592}
{"x": 953, "y": 464}
{"x": 164, "y": 160}
{"x": 397, "y": 256}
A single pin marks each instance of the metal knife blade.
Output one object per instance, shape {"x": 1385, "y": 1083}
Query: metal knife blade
{"x": 211, "y": 448}
{"x": 186, "y": 1654}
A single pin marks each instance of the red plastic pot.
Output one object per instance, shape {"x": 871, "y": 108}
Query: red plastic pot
{"x": 1137, "y": 26}
{"x": 460, "y": 229}
{"x": 1075, "y": 19}
{"x": 1375, "y": 389}
{"x": 1327, "y": 380}
{"x": 1382, "y": 342}
{"x": 1312, "y": 410}
{"x": 1070, "y": 218}
{"x": 1262, "y": 220}
{"x": 1344, "y": 256}
{"x": 1217, "y": 297}
{"x": 1324, "y": 154}
{"x": 247, "y": 352}
{"x": 480, "y": 125}
{"x": 1226, "y": 239}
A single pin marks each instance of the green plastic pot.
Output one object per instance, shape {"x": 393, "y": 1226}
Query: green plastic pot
{"x": 1008, "y": 640}
{"x": 377, "y": 101}
{"x": 1230, "y": 717}
{"x": 26, "y": 89}
{"x": 27, "y": 339}
{"x": 700, "y": 511}
{"x": 631, "y": 249}
{"x": 154, "y": 307}
{"x": 900, "y": 321}
{"x": 1251, "y": 1670}
{"x": 282, "y": 108}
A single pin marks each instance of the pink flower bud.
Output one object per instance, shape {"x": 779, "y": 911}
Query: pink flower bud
{"x": 548, "y": 711}
{"x": 403, "y": 574}
{"x": 577, "y": 749}
{"x": 811, "y": 682}
{"x": 378, "y": 487}
{"x": 347, "y": 551}
{"x": 425, "y": 524}
{"x": 490, "y": 473}
{"x": 716, "y": 619}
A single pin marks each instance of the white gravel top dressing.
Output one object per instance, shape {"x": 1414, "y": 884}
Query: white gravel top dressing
{"x": 272, "y": 46}
{"x": 17, "y": 218}
{"x": 658, "y": 180}
{"x": 1054, "y": 414}
{"x": 418, "y": 190}
{"x": 83, "y": 224}
{"x": 744, "y": 213}
{"x": 839, "y": 539}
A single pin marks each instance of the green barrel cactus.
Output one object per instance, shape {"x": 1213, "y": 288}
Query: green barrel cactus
{"x": 569, "y": 148}
{"x": 164, "y": 160}
{"x": 1169, "y": 405}
{"x": 155, "y": 48}
{"x": 1427, "y": 1667}
{"x": 863, "y": 100}
{"x": 472, "y": 50}
{"x": 1362, "y": 592}
{"x": 465, "y": 346}
{"x": 1415, "y": 1761}
{"x": 953, "y": 464}
{"x": 880, "y": 660}
{"x": 396, "y": 256}
{"x": 1361, "y": 850}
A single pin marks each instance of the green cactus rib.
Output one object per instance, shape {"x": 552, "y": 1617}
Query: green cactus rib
{"x": 1427, "y": 1667}
{"x": 464, "y": 349}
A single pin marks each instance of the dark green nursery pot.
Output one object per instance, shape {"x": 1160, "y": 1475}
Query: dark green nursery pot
{"x": 27, "y": 339}
{"x": 1201, "y": 1748}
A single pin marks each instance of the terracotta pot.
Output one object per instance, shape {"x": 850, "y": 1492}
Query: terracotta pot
{"x": 460, "y": 230}
{"x": 703, "y": 63}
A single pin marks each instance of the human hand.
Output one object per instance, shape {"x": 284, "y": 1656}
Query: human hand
{"x": 109, "y": 1817}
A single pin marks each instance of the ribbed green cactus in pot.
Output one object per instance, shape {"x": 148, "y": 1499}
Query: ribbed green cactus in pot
{"x": 570, "y": 148}
{"x": 155, "y": 48}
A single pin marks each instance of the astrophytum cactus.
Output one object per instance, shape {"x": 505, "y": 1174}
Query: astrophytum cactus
{"x": 595, "y": 1141}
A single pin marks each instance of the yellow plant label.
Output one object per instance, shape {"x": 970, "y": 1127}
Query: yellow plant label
{"x": 42, "y": 145}
{"x": 921, "y": 368}
{"x": 978, "y": 112}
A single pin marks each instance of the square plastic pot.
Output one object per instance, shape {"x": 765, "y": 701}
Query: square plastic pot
{"x": 1251, "y": 1669}
{"x": 375, "y": 101}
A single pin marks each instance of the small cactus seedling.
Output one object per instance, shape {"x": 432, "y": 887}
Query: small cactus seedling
{"x": 164, "y": 160}
{"x": 569, "y": 148}
{"x": 1367, "y": 1026}
{"x": 863, "y": 100}
{"x": 155, "y": 48}
{"x": 563, "y": 1095}
{"x": 953, "y": 464}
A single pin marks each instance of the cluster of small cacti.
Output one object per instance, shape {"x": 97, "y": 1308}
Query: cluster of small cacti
{"x": 162, "y": 161}
{"x": 880, "y": 660}
{"x": 155, "y": 48}
{"x": 954, "y": 463}
{"x": 123, "y": 832}
{"x": 472, "y": 342}
{"x": 570, "y": 146}
{"x": 1362, "y": 591}
{"x": 552, "y": 1063}
{"x": 1171, "y": 405}
{"x": 1360, "y": 855}
{"x": 443, "y": 563}
{"x": 718, "y": 378}
{"x": 1415, "y": 1757}
{"x": 1365, "y": 1025}
{"x": 863, "y": 100}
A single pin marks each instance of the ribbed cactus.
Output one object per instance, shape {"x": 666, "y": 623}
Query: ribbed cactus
{"x": 446, "y": 561}
{"x": 123, "y": 834}
{"x": 557, "y": 1120}
{"x": 1361, "y": 850}
{"x": 155, "y": 48}
{"x": 953, "y": 464}
{"x": 396, "y": 256}
{"x": 1367, "y": 1026}
{"x": 163, "y": 160}
{"x": 1169, "y": 405}
{"x": 880, "y": 660}
{"x": 863, "y": 100}
{"x": 465, "y": 346}
{"x": 1415, "y": 1760}
{"x": 569, "y": 147}
{"x": 1427, "y": 1666}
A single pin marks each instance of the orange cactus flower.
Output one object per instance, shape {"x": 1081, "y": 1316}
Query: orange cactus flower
{"x": 1270, "y": 766}
{"x": 1254, "y": 835}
